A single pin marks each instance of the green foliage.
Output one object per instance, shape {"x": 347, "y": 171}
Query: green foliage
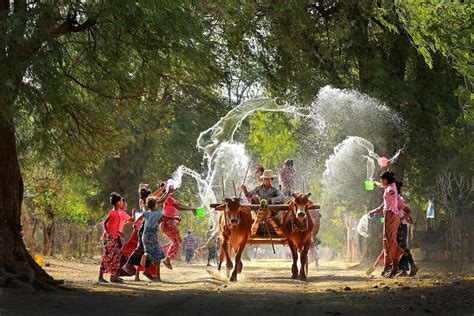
{"x": 45, "y": 187}
{"x": 272, "y": 138}
{"x": 58, "y": 197}
{"x": 332, "y": 228}
{"x": 76, "y": 202}
{"x": 443, "y": 27}
{"x": 104, "y": 95}
{"x": 158, "y": 146}
{"x": 103, "y": 90}
{"x": 83, "y": 73}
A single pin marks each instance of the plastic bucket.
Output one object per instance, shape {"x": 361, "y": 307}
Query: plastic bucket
{"x": 369, "y": 185}
{"x": 200, "y": 212}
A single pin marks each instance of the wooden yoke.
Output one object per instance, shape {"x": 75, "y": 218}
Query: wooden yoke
{"x": 256, "y": 207}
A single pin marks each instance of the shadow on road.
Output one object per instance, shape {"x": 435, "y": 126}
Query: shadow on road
{"x": 449, "y": 299}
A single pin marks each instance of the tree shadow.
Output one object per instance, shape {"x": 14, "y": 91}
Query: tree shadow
{"x": 453, "y": 298}
{"x": 311, "y": 279}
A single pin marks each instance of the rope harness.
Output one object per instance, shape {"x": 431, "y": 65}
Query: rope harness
{"x": 265, "y": 221}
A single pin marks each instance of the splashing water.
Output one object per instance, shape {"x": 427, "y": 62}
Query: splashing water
{"x": 225, "y": 159}
{"x": 346, "y": 164}
{"x": 371, "y": 156}
{"x": 345, "y": 168}
{"x": 335, "y": 112}
{"x": 355, "y": 114}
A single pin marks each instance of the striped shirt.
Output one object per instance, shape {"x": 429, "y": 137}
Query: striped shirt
{"x": 189, "y": 242}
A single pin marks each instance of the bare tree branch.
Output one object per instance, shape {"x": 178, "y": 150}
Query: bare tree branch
{"x": 455, "y": 191}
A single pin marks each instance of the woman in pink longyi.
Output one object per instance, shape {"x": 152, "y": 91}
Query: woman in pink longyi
{"x": 391, "y": 250}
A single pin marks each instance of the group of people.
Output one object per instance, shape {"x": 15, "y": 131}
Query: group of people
{"x": 143, "y": 251}
{"x": 396, "y": 255}
{"x": 159, "y": 210}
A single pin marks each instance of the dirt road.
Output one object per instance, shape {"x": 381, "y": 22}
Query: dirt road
{"x": 263, "y": 288}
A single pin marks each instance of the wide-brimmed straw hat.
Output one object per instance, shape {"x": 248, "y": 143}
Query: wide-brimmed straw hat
{"x": 267, "y": 174}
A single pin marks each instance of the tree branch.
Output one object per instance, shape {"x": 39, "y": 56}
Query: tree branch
{"x": 128, "y": 97}
{"x": 71, "y": 26}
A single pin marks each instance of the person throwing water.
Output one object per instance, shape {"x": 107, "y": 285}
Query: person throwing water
{"x": 170, "y": 221}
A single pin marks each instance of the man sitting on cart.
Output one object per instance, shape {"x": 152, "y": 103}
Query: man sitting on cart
{"x": 264, "y": 191}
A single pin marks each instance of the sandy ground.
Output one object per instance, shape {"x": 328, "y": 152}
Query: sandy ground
{"x": 263, "y": 288}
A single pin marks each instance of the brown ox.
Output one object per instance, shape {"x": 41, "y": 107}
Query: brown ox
{"x": 235, "y": 224}
{"x": 297, "y": 225}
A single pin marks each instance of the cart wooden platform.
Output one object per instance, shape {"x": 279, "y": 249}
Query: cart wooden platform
{"x": 266, "y": 225}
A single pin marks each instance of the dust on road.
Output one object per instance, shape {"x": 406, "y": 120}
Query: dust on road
{"x": 263, "y": 288}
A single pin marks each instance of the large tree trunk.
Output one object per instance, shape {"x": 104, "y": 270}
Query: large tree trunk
{"x": 16, "y": 265}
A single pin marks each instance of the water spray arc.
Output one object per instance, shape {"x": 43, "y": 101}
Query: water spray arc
{"x": 346, "y": 112}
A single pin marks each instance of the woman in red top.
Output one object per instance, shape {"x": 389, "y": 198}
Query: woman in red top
{"x": 111, "y": 239}
{"x": 169, "y": 223}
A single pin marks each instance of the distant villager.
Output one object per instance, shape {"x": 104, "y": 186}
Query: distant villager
{"x": 287, "y": 177}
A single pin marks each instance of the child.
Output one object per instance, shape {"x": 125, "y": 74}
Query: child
{"x": 169, "y": 224}
{"x": 151, "y": 246}
{"x": 124, "y": 217}
{"x": 134, "y": 247}
{"x": 212, "y": 247}
{"x": 402, "y": 237}
{"x": 111, "y": 239}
